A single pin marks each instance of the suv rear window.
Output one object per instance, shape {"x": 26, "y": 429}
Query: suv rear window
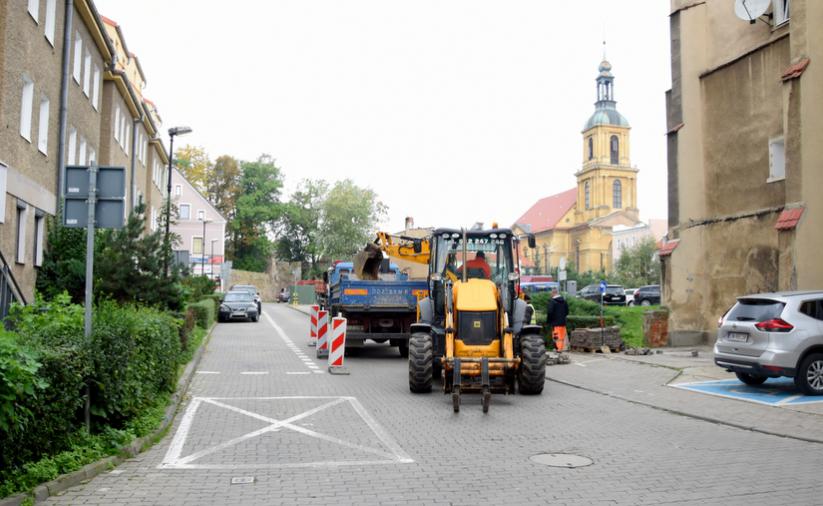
{"x": 615, "y": 290}
{"x": 755, "y": 310}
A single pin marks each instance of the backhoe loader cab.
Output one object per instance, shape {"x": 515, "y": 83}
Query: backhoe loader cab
{"x": 472, "y": 329}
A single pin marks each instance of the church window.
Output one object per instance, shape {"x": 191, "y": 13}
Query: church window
{"x": 617, "y": 194}
{"x": 615, "y": 150}
{"x": 586, "y": 196}
{"x": 591, "y": 148}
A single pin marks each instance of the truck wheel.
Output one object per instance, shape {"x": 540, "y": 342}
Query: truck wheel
{"x": 421, "y": 357}
{"x": 532, "y": 373}
{"x": 403, "y": 348}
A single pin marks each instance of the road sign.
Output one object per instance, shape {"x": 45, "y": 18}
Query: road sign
{"x": 602, "y": 286}
{"x": 561, "y": 275}
{"x": 110, "y": 205}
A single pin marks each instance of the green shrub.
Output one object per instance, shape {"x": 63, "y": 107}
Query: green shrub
{"x": 203, "y": 313}
{"x": 198, "y": 287}
{"x": 130, "y": 360}
{"x": 217, "y": 298}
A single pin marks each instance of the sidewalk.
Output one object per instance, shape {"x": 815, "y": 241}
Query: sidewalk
{"x": 646, "y": 380}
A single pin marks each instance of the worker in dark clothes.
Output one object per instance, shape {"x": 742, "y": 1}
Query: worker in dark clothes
{"x": 556, "y": 313}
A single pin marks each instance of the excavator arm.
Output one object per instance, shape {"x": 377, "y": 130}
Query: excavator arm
{"x": 412, "y": 249}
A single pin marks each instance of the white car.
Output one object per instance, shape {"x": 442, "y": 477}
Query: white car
{"x": 630, "y": 296}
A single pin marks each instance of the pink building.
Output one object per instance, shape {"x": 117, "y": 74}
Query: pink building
{"x": 200, "y": 227}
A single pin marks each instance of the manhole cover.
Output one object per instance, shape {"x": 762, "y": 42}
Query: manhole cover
{"x": 561, "y": 460}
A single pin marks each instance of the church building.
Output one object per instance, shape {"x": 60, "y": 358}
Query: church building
{"x": 577, "y": 224}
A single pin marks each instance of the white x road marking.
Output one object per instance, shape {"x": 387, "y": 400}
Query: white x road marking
{"x": 175, "y": 460}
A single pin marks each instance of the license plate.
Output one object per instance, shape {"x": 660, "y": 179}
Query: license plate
{"x": 239, "y": 313}
{"x": 737, "y": 337}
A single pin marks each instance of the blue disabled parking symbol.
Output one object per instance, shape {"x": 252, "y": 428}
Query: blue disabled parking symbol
{"x": 774, "y": 392}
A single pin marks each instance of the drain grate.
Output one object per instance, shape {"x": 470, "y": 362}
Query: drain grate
{"x": 242, "y": 480}
{"x": 561, "y": 460}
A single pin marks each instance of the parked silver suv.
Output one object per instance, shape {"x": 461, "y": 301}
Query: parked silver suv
{"x": 769, "y": 335}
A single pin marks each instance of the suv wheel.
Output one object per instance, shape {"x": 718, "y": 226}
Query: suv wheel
{"x": 750, "y": 379}
{"x": 645, "y": 302}
{"x": 809, "y": 377}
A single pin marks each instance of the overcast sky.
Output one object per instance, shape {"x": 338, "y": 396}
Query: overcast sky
{"x": 453, "y": 111}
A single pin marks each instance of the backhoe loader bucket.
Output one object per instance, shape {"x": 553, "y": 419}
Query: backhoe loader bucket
{"x": 367, "y": 262}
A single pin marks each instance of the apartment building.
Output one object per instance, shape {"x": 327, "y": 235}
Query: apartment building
{"x": 71, "y": 93}
{"x": 36, "y": 38}
{"x": 745, "y": 116}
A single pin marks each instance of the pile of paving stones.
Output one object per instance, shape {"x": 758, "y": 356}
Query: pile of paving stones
{"x": 592, "y": 339}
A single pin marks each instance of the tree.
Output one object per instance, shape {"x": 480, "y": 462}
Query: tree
{"x": 639, "y": 264}
{"x": 129, "y": 266}
{"x": 193, "y": 162}
{"x": 299, "y": 229}
{"x": 257, "y": 210}
{"x": 223, "y": 185}
{"x": 349, "y": 217}
{"x": 64, "y": 262}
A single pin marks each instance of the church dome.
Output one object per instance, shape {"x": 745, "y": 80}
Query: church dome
{"x": 605, "y": 68}
{"x": 606, "y": 116}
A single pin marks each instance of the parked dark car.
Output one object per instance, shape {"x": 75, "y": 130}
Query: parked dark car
{"x": 590, "y": 292}
{"x": 238, "y": 304}
{"x": 254, "y": 291}
{"x": 647, "y": 295}
{"x": 615, "y": 296}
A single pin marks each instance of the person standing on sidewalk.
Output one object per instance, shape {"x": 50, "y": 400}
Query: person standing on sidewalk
{"x": 556, "y": 313}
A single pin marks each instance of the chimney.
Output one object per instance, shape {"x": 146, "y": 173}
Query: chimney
{"x": 409, "y": 223}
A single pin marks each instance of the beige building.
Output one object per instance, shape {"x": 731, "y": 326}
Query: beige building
{"x": 577, "y": 224}
{"x": 71, "y": 93}
{"x": 745, "y": 116}
{"x": 32, "y": 51}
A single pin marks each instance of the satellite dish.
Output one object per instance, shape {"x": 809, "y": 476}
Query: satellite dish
{"x": 750, "y": 10}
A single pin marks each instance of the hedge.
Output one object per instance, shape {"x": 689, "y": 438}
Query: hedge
{"x": 46, "y": 366}
{"x": 217, "y": 298}
{"x": 204, "y": 312}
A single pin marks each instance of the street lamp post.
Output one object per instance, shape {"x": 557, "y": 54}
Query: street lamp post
{"x": 203, "y": 247}
{"x": 180, "y": 130}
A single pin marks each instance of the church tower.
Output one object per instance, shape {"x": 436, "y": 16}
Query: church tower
{"x": 607, "y": 182}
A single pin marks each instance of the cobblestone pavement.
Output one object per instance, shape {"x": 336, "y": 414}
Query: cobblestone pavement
{"x": 261, "y": 406}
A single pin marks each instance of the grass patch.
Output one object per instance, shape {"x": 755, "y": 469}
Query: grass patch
{"x": 195, "y": 340}
{"x": 629, "y": 318}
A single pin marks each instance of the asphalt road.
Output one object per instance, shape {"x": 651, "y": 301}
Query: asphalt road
{"x": 264, "y": 412}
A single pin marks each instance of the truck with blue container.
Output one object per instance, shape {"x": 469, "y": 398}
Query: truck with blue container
{"x": 381, "y": 308}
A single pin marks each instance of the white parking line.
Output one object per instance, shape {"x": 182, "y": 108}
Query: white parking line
{"x": 290, "y": 344}
{"x": 254, "y": 373}
{"x": 207, "y": 372}
{"x": 298, "y": 372}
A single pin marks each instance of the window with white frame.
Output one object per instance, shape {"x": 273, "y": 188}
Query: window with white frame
{"x": 201, "y": 215}
{"x": 177, "y": 190}
{"x": 95, "y": 92}
{"x": 51, "y": 15}
{"x": 26, "y": 108}
{"x": 22, "y": 209}
{"x": 81, "y": 155}
{"x": 34, "y": 10}
{"x": 126, "y": 137}
{"x": 92, "y": 155}
{"x": 39, "y": 227}
{"x": 153, "y": 218}
{"x": 3, "y": 174}
{"x": 43, "y": 126}
{"x": 184, "y": 212}
{"x": 78, "y": 54}
{"x": 781, "y": 10}
{"x": 72, "y": 151}
{"x": 117, "y": 124}
{"x": 87, "y": 73}
{"x": 777, "y": 159}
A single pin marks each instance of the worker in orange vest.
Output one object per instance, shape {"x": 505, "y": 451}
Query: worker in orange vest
{"x": 477, "y": 265}
{"x": 556, "y": 313}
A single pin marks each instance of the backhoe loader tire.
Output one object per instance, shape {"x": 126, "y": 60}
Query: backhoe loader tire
{"x": 421, "y": 358}
{"x": 532, "y": 374}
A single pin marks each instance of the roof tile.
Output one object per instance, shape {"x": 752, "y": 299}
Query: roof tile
{"x": 788, "y": 218}
{"x": 667, "y": 248}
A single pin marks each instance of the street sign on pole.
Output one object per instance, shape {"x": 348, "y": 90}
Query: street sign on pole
{"x": 93, "y": 196}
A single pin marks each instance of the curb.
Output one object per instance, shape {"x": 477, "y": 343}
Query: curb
{"x": 293, "y": 308}
{"x": 688, "y": 415}
{"x": 89, "y": 471}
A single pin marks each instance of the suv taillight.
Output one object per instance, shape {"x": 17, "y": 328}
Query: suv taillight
{"x": 774, "y": 325}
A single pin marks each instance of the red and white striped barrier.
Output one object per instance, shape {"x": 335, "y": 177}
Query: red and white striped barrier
{"x": 313, "y": 325}
{"x": 322, "y": 348}
{"x": 338, "y": 346}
